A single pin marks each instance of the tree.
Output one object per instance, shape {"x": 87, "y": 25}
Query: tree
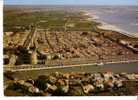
{"x": 41, "y": 82}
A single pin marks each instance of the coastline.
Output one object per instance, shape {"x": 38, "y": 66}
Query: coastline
{"x": 107, "y": 26}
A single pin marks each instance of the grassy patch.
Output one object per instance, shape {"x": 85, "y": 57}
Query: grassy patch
{"x": 19, "y": 20}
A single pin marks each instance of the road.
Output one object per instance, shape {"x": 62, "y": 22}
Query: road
{"x": 30, "y": 38}
{"x": 64, "y": 64}
{"x": 116, "y": 68}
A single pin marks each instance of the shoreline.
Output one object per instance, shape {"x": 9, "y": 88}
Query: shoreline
{"x": 107, "y": 26}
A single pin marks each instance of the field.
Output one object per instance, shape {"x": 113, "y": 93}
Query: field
{"x": 20, "y": 20}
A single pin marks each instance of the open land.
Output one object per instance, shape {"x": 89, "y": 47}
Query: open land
{"x": 40, "y": 40}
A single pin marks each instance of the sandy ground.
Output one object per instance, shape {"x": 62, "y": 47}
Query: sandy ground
{"x": 107, "y": 26}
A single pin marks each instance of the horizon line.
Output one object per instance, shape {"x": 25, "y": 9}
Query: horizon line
{"x": 67, "y": 5}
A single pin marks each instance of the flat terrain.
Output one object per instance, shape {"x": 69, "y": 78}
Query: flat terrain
{"x": 41, "y": 41}
{"x": 48, "y": 19}
{"x": 123, "y": 67}
{"x": 64, "y": 34}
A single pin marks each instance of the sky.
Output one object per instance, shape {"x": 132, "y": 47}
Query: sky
{"x": 71, "y": 2}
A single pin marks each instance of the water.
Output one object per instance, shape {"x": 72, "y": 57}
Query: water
{"x": 123, "y": 67}
{"x": 125, "y": 18}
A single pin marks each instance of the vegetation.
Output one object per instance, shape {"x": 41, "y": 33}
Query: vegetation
{"x": 21, "y": 20}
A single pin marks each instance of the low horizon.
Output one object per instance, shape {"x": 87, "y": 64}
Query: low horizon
{"x": 73, "y": 2}
{"x": 61, "y": 5}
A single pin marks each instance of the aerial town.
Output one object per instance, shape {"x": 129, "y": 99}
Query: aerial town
{"x": 47, "y": 50}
